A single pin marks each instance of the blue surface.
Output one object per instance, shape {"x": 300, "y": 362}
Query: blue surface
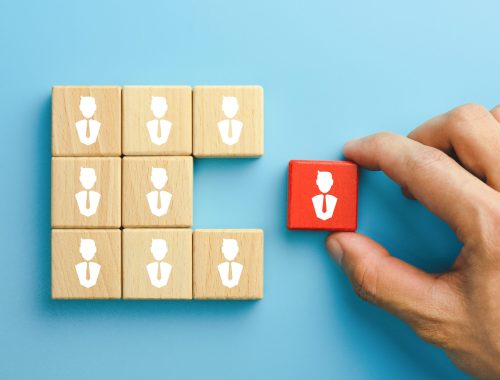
{"x": 331, "y": 70}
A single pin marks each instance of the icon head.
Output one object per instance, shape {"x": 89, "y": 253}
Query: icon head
{"x": 159, "y": 249}
{"x": 159, "y": 106}
{"x": 87, "y": 106}
{"x": 324, "y": 181}
{"x": 87, "y": 249}
{"x": 87, "y": 178}
{"x": 230, "y": 249}
{"x": 230, "y": 106}
{"x": 159, "y": 178}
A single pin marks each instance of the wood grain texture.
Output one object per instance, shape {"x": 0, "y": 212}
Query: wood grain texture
{"x": 137, "y": 184}
{"x": 136, "y": 246}
{"x": 207, "y": 113}
{"x": 207, "y": 256}
{"x": 66, "y": 113}
{"x": 66, "y": 254}
{"x": 137, "y": 112}
{"x": 66, "y": 183}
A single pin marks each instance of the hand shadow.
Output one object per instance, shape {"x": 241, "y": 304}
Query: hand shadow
{"x": 409, "y": 231}
{"x": 381, "y": 208}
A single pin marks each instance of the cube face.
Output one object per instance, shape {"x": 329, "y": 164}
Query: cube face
{"x": 228, "y": 264}
{"x": 86, "y": 121}
{"x": 228, "y": 121}
{"x": 322, "y": 195}
{"x": 86, "y": 264}
{"x": 86, "y": 192}
{"x": 157, "y": 120}
{"x": 157, "y": 263}
{"x": 157, "y": 191}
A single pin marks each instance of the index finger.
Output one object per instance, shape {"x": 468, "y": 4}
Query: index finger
{"x": 433, "y": 178}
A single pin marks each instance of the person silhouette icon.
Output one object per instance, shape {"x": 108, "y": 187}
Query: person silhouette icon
{"x": 87, "y": 128}
{"x": 88, "y": 200}
{"x": 87, "y": 271}
{"x": 230, "y": 271}
{"x": 324, "y": 204}
{"x": 159, "y": 129}
{"x": 230, "y": 129}
{"x": 159, "y": 271}
{"x": 159, "y": 200}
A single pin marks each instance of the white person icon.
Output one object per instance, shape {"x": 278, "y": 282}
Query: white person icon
{"x": 159, "y": 128}
{"x": 159, "y": 271}
{"x": 87, "y": 271}
{"x": 230, "y": 270}
{"x": 159, "y": 200}
{"x": 324, "y": 204}
{"x": 87, "y": 128}
{"x": 88, "y": 200}
{"x": 230, "y": 128}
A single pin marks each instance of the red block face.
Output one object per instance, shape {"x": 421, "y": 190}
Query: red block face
{"x": 322, "y": 195}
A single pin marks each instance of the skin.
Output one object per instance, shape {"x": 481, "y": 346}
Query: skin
{"x": 451, "y": 164}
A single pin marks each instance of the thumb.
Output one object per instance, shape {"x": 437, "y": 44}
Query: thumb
{"x": 381, "y": 279}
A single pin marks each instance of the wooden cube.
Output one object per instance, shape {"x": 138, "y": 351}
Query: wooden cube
{"x": 228, "y": 264}
{"x": 157, "y": 191}
{"x": 86, "y": 192}
{"x": 86, "y": 121}
{"x": 157, "y": 263}
{"x": 86, "y": 264}
{"x": 228, "y": 121}
{"x": 323, "y": 195}
{"x": 157, "y": 121}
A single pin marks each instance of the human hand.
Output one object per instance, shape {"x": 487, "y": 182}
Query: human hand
{"x": 451, "y": 164}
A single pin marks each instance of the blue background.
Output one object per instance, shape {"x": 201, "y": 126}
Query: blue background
{"x": 331, "y": 70}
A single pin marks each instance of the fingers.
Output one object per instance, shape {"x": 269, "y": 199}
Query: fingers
{"x": 470, "y": 132}
{"x": 496, "y": 112}
{"x": 381, "y": 279}
{"x": 429, "y": 175}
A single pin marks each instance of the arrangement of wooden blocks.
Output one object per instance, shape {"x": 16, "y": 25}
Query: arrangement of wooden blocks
{"x": 122, "y": 192}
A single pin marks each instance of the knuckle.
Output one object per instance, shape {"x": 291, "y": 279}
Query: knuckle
{"x": 493, "y": 212}
{"x": 467, "y": 113}
{"x": 384, "y": 140}
{"x": 436, "y": 333}
{"x": 441, "y": 320}
{"x": 487, "y": 217}
{"x": 427, "y": 158}
{"x": 496, "y": 112}
{"x": 365, "y": 282}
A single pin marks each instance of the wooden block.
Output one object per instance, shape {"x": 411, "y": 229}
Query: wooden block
{"x": 86, "y": 121}
{"x": 157, "y": 121}
{"x": 86, "y": 264}
{"x": 228, "y": 264}
{"x": 157, "y": 263}
{"x": 157, "y": 191}
{"x": 86, "y": 192}
{"x": 323, "y": 195}
{"x": 228, "y": 121}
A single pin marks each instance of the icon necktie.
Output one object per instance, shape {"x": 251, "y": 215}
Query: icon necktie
{"x": 158, "y": 200}
{"x": 324, "y": 208}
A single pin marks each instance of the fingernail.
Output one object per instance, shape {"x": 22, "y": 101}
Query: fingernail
{"x": 335, "y": 250}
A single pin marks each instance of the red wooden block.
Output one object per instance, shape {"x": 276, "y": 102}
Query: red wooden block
{"x": 322, "y": 195}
